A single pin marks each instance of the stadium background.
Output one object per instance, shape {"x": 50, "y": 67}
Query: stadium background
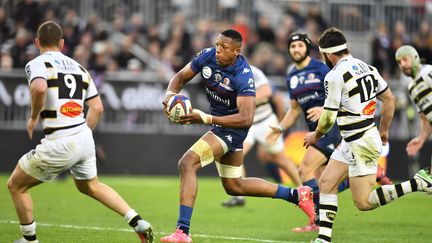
{"x": 132, "y": 48}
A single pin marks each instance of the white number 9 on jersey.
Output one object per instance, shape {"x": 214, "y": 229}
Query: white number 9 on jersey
{"x": 70, "y": 82}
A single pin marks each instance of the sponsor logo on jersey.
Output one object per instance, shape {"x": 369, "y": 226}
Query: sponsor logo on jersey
{"x": 307, "y": 98}
{"x": 71, "y": 109}
{"x": 28, "y": 72}
{"x": 246, "y": 70}
{"x": 370, "y": 108}
{"x": 294, "y": 82}
{"x": 206, "y": 72}
{"x": 217, "y": 98}
{"x": 225, "y": 84}
{"x": 251, "y": 82}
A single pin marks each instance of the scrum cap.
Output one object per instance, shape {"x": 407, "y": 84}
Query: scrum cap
{"x": 300, "y": 37}
{"x": 411, "y": 52}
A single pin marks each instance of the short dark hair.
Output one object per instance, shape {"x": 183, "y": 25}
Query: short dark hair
{"x": 233, "y": 34}
{"x": 49, "y": 34}
{"x": 333, "y": 37}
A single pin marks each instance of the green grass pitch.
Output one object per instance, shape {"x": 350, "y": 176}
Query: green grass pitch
{"x": 65, "y": 215}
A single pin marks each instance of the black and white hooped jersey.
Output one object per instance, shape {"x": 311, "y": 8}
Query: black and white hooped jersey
{"x": 351, "y": 89}
{"x": 263, "y": 110}
{"x": 420, "y": 91}
{"x": 69, "y": 87}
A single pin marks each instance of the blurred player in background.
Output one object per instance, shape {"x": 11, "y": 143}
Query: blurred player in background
{"x": 263, "y": 119}
{"x": 59, "y": 89}
{"x": 230, "y": 88}
{"x": 305, "y": 83}
{"x": 352, "y": 88}
{"x": 420, "y": 91}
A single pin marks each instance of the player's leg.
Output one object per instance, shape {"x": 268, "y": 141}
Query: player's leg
{"x": 276, "y": 154}
{"x": 41, "y": 164}
{"x": 84, "y": 172}
{"x": 229, "y": 169}
{"x": 272, "y": 169}
{"x": 111, "y": 199}
{"x": 18, "y": 184}
{"x": 203, "y": 152}
{"x": 234, "y": 201}
{"x": 334, "y": 173}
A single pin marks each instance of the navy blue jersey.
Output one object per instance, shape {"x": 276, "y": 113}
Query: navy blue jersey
{"x": 223, "y": 85}
{"x": 306, "y": 86}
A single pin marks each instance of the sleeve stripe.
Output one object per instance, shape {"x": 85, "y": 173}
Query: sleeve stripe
{"x": 382, "y": 91}
{"x": 36, "y": 78}
{"x": 331, "y": 109}
{"x": 91, "y": 97}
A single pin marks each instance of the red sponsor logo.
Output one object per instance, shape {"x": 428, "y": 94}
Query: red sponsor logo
{"x": 370, "y": 108}
{"x": 71, "y": 109}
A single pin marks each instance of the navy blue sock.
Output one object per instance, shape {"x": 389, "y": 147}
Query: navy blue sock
{"x": 273, "y": 170}
{"x": 344, "y": 185}
{"x": 287, "y": 193}
{"x": 312, "y": 183}
{"x": 185, "y": 216}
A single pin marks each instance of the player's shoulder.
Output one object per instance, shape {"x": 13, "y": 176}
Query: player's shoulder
{"x": 205, "y": 52}
{"x": 426, "y": 71}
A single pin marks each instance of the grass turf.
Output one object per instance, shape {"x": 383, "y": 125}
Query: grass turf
{"x": 65, "y": 215}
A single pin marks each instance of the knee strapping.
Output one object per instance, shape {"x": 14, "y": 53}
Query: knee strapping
{"x": 202, "y": 148}
{"x": 229, "y": 171}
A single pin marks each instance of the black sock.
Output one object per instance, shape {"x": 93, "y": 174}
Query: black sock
{"x": 30, "y": 237}
{"x": 134, "y": 222}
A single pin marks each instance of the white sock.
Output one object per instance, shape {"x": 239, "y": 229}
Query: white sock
{"x": 327, "y": 213}
{"x": 130, "y": 215}
{"x": 388, "y": 193}
{"x": 29, "y": 230}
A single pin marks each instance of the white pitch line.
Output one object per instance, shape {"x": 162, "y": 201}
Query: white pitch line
{"x": 68, "y": 226}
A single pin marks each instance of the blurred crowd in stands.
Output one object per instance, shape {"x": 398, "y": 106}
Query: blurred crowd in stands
{"x": 92, "y": 41}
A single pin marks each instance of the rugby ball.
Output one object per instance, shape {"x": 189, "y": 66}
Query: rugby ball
{"x": 178, "y": 105}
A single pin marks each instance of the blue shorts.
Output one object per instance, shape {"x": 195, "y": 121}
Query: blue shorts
{"x": 329, "y": 142}
{"x": 233, "y": 137}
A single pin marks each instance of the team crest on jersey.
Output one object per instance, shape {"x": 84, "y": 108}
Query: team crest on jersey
{"x": 71, "y": 109}
{"x": 294, "y": 82}
{"x": 206, "y": 72}
{"x": 370, "y": 108}
{"x": 217, "y": 77}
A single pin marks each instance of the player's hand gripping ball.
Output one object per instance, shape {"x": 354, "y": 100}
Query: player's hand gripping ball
{"x": 178, "y": 105}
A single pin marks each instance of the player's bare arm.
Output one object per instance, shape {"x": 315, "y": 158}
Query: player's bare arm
{"x": 314, "y": 113}
{"x": 38, "y": 90}
{"x": 177, "y": 83}
{"x": 425, "y": 131}
{"x": 387, "y": 111}
{"x": 325, "y": 123}
{"x": 263, "y": 94}
{"x": 289, "y": 119}
{"x": 94, "y": 112}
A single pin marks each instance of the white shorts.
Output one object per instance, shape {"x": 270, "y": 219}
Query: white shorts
{"x": 361, "y": 155}
{"x": 55, "y": 155}
{"x": 258, "y": 132}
